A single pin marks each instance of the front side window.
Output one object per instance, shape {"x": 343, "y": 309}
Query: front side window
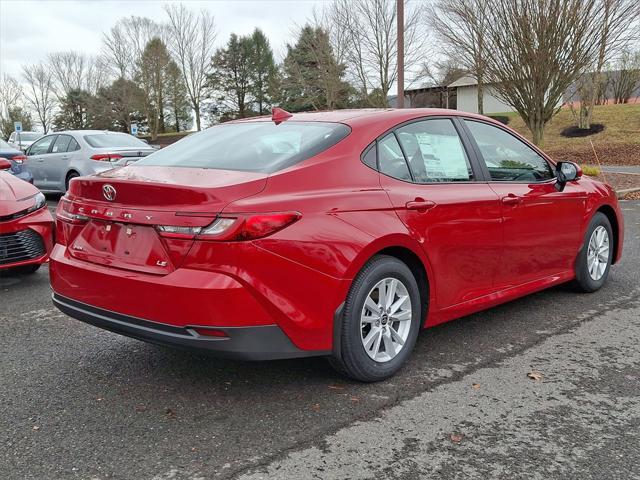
{"x": 391, "y": 160}
{"x": 42, "y": 145}
{"x": 250, "y": 146}
{"x": 435, "y": 152}
{"x": 507, "y": 158}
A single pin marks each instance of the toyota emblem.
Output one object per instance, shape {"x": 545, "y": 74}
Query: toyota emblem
{"x": 109, "y": 192}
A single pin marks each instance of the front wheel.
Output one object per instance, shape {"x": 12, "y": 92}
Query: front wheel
{"x": 381, "y": 321}
{"x": 594, "y": 260}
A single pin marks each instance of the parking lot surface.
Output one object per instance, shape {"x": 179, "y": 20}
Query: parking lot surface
{"x": 79, "y": 402}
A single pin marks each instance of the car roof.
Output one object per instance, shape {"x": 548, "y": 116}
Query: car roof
{"x": 369, "y": 116}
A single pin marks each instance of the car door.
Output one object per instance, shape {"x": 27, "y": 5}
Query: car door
{"x": 37, "y": 154}
{"x": 435, "y": 188}
{"x": 542, "y": 227}
{"x": 56, "y": 163}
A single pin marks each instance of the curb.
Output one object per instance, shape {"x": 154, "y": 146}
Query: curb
{"x": 622, "y": 193}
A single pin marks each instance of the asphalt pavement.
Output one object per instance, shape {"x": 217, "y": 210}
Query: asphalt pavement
{"x": 546, "y": 387}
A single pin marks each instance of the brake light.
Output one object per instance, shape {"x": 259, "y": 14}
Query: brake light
{"x": 106, "y": 157}
{"x": 67, "y": 213}
{"x": 19, "y": 159}
{"x": 234, "y": 228}
{"x": 68, "y": 222}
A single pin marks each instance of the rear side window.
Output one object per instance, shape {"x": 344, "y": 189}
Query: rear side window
{"x": 391, "y": 160}
{"x": 61, "y": 144}
{"x": 109, "y": 140}
{"x": 435, "y": 152}
{"x": 252, "y": 146}
{"x": 507, "y": 158}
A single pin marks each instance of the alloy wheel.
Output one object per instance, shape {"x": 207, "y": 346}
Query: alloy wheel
{"x": 385, "y": 320}
{"x": 598, "y": 253}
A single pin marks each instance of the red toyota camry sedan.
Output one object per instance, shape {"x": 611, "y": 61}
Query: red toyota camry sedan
{"x": 337, "y": 234}
{"x": 26, "y": 226}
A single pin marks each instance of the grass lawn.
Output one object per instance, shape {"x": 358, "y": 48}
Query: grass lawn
{"x": 622, "y": 126}
{"x": 617, "y": 144}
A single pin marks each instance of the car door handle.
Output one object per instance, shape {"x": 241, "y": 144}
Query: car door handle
{"x": 512, "y": 199}
{"x": 420, "y": 205}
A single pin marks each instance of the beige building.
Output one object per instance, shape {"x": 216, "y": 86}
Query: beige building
{"x": 467, "y": 97}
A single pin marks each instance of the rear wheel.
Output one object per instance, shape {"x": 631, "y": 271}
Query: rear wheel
{"x": 70, "y": 175}
{"x": 381, "y": 321}
{"x": 594, "y": 260}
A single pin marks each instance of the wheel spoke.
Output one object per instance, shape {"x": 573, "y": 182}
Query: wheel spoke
{"x": 402, "y": 316}
{"x": 368, "y": 319}
{"x": 389, "y": 347}
{"x": 394, "y": 308}
{"x": 396, "y": 336}
{"x": 371, "y": 336}
{"x": 391, "y": 292}
{"x": 376, "y": 347}
{"x": 371, "y": 305}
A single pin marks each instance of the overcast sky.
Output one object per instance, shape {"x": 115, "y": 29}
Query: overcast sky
{"x": 29, "y": 30}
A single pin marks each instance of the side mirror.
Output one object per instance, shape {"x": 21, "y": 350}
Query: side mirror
{"x": 566, "y": 172}
{"x": 4, "y": 164}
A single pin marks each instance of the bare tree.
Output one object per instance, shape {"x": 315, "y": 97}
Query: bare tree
{"x": 460, "y": 26}
{"x": 10, "y": 94}
{"x": 626, "y": 79}
{"x": 191, "y": 41}
{"x": 614, "y": 33}
{"x": 364, "y": 37}
{"x": 125, "y": 42}
{"x": 538, "y": 49}
{"x": 74, "y": 71}
{"x": 40, "y": 92}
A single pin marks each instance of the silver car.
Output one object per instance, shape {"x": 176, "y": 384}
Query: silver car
{"x": 58, "y": 157}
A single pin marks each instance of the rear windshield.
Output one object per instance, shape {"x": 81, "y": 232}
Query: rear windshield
{"x": 4, "y": 144}
{"x": 251, "y": 147}
{"x": 108, "y": 140}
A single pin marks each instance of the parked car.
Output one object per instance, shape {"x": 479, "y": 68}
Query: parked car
{"x": 57, "y": 158}
{"x": 17, "y": 160}
{"x": 337, "y": 234}
{"x": 24, "y": 140}
{"x": 26, "y": 225}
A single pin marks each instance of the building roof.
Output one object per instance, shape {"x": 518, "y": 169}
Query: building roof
{"x": 465, "y": 81}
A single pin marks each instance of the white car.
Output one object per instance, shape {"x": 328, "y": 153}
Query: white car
{"x": 23, "y": 140}
{"x": 58, "y": 157}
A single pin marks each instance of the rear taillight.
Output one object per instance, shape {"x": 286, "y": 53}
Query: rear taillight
{"x": 230, "y": 228}
{"x": 68, "y": 222}
{"x": 20, "y": 159}
{"x": 106, "y": 157}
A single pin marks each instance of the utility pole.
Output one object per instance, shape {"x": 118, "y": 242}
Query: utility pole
{"x": 400, "y": 30}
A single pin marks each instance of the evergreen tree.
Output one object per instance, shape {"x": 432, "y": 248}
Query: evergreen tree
{"x": 263, "y": 72}
{"x": 77, "y": 111}
{"x": 120, "y": 104}
{"x": 152, "y": 69}
{"x": 313, "y": 78}
{"x": 178, "y": 105}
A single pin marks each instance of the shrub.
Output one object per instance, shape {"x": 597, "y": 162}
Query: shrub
{"x": 591, "y": 171}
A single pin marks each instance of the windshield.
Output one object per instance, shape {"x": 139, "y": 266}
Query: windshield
{"x": 113, "y": 139}
{"x": 252, "y": 146}
{"x": 28, "y": 136}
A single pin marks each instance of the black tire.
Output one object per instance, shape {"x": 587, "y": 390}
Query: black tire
{"x": 25, "y": 270}
{"x": 584, "y": 281}
{"x": 70, "y": 175}
{"x": 352, "y": 360}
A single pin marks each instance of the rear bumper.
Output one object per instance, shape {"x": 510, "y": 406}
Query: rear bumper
{"x": 265, "y": 342}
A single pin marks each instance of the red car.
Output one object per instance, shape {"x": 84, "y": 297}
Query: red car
{"x": 26, "y": 226}
{"x": 338, "y": 234}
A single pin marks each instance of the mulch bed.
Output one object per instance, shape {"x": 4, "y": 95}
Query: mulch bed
{"x": 608, "y": 154}
{"x": 574, "y": 131}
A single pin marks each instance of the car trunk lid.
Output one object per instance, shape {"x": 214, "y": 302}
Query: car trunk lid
{"x": 121, "y": 209}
